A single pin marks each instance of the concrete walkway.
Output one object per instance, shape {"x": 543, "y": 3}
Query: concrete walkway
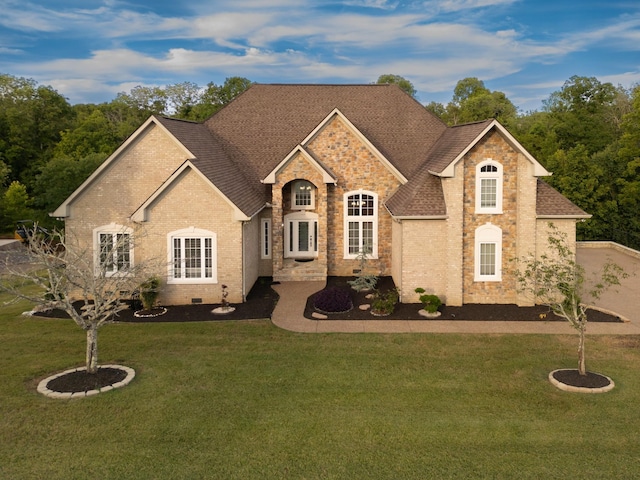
{"x": 8, "y": 243}
{"x": 289, "y": 312}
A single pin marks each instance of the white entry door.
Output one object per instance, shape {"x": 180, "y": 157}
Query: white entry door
{"x": 301, "y": 235}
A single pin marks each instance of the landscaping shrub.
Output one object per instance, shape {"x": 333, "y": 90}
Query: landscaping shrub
{"x": 429, "y": 302}
{"x": 384, "y": 303}
{"x": 333, "y": 300}
{"x": 149, "y": 291}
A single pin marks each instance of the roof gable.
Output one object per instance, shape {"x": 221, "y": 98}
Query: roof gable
{"x": 454, "y": 144}
{"x": 327, "y": 175}
{"x": 63, "y": 210}
{"x": 141, "y": 213}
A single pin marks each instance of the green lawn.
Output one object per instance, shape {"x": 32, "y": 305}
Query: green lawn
{"x": 244, "y": 400}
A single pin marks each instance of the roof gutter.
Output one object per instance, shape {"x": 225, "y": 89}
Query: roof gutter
{"x": 420, "y": 217}
{"x": 562, "y": 217}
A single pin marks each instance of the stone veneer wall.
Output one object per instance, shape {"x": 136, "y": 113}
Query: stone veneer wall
{"x": 495, "y": 147}
{"x": 356, "y": 167}
{"x": 298, "y": 168}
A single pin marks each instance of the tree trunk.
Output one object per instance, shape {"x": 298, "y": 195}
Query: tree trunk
{"x": 92, "y": 350}
{"x": 582, "y": 369}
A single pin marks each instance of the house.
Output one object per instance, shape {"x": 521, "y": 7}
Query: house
{"x": 295, "y": 181}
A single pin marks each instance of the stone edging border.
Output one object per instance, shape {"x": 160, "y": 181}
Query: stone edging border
{"x": 42, "y": 386}
{"x": 149, "y": 315}
{"x": 571, "y": 388}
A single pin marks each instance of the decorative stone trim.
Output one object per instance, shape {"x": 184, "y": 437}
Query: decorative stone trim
{"x": 139, "y": 313}
{"x": 223, "y": 310}
{"x": 571, "y": 388}
{"x": 42, "y": 386}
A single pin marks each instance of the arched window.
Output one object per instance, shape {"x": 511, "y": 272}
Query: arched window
{"x": 488, "y": 253}
{"x": 192, "y": 256}
{"x": 113, "y": 248}
{"x": 360, "y": 224}
{"x": 489, "y": 187}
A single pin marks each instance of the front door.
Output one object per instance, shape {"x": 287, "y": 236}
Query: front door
{"x": 301, "y": 235}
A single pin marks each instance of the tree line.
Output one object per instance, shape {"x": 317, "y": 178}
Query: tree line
{"x": 587, "y": 134}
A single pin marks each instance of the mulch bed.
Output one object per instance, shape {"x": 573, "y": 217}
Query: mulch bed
{"x": 260, "y": 303}
{"x": 262, "y": 300}
{"x": 480, "y": 312}
{"x": 82, "y": 381}
{"x": 573, "y": 378}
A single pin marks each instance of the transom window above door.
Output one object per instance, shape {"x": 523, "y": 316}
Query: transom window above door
{"x": 303, "y": 195}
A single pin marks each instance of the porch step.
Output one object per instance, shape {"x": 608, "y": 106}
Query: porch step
{"x": 293, "y": 271}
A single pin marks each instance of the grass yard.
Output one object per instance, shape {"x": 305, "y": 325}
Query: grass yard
{"x": 245, "y": 400}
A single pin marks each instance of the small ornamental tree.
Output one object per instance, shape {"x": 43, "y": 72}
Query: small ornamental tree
{"x": 559, "y": 282}
{"x": 90, "y": 288}
{"x": 364, "y": 281}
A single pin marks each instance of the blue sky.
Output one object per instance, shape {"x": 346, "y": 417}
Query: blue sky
{"x": 89, "y": 50}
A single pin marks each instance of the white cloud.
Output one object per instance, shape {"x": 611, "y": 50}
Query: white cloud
{"x": 459, "y": 5}
{"x": 381, "y": 4}
{"x": 434, "y": 43}
{"x": 10, "y": 51}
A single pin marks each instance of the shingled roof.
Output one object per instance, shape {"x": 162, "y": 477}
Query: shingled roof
{"x": 262, "y": 125}
{"x": 421, "y": 196}
{"x": 452, "y": 143}
{"x": 215, "y": 164}
{"x": 238, "y": 146}
{"x": 552, "y": 204}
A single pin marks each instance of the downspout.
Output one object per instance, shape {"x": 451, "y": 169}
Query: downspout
{"x": 243, "y": 262}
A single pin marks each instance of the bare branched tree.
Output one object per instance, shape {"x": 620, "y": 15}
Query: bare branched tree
{"x": 558, "y": 281}
{"x": 57, "y": 272}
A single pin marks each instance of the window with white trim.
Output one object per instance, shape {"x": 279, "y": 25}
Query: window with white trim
{"x": 360, "y": 224}
{"x": 113, "y": 247}
{"x": 303, "y": 195}
{"x": 488, "y": 253}
{"x": 192, "y": 256}
{"x": 265, "y": 238}
{"x": 489, "y": 187}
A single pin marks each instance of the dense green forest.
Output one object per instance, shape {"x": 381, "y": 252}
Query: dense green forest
{"x": 587, "y": 134}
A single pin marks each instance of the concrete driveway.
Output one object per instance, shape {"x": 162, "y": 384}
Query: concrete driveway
{"x": 625, "y": 299}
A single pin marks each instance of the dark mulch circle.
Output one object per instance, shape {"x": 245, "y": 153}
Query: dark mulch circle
{"x": 480, "y": 312}
{"x": 572, "y": 377}
{"x": 81, "y": 381}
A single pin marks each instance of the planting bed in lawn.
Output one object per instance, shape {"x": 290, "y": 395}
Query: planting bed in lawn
{"x": 245, "y": 400}
{"x": 409, "y": 311}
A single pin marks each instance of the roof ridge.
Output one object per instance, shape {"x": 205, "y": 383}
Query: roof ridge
{"x": 477, "y": 122}
{"x": 165, "y": 117}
